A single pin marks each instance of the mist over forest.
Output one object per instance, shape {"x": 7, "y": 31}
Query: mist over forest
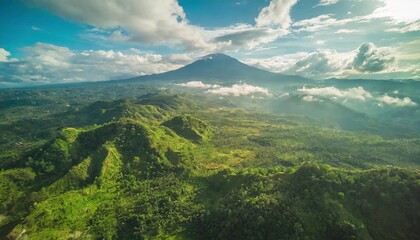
{"x": 233, "y": 119}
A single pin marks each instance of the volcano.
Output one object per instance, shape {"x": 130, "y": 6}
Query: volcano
{"x": 218, "y": 67}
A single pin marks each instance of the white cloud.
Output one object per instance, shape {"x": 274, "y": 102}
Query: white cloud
{"x": 198, "y": 84}
{"x": 402, "y": 12}
{"x": 235, "y": 90}
{"x": 372, "y": 59}
{"x": 411, "y": 27}
{"x": 346, "y": 31}
{"x": 358, "y": 93}
{"x": 35, "y": 28}
{"x": 321, "y": 64}
{"x": 239, "y": 90}
{"x": 165, "y": 22}
{"x": 48, "y": 56}
{"x": 316, "y": 23}
{"x": 46, "y": 63}
{"x": 244, "y": 36}
{"x": 153, "y": 22}
{"x": 327, "y": 2}
{"x": 311, "y": 99}
{"x": 401, "y": 102}
{"x": 399, "y": 10}
{"x": 277, "y": 13}
{"x": 277, "y": 63}
{"x": 325, "y": 63}
{"x": 4, "y": 55}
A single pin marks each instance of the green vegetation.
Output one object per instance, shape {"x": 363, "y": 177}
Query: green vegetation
{"x": 190, "y": 128}
{"x": 169, "y": 166}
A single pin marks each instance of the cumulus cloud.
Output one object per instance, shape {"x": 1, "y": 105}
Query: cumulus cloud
{"x": 401, "y": 102}
{"x": 4, "y": 55}
{"x": 165, "y": 22}
{"x": 356, "y": 93}
{"x": 372, "y": 59}
{"x": 47, "y": 63}
{"x": 158, "y": 21}
{"x": 277, "y": 13}
{"x": 325, "y": 63}
{"x": 320, "y": 63}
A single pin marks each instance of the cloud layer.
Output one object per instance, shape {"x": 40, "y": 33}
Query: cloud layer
{"x": 198, "y": 84}
{"x": 235, "y": 90}
{"x": 47, "y": 63}
{"x": 164, "y": 22}
{"x": 325, "y": 63}
{"x": 357, "y": 93}
{"x": 153, "y": 22}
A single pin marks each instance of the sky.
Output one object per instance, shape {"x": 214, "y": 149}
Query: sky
{"x": 58, "y": 41}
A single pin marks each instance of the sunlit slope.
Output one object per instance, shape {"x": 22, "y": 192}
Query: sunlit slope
{"x": 163, "y": 166}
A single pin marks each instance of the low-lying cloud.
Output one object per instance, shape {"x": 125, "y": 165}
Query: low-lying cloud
{"x": 235, "y": 90}
{"x": 356, "y": 93}
{"x": 198, "y": 84}
{"x": 397, "y": 101}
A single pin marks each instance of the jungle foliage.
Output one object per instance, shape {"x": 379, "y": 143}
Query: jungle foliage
{"x": 151, "y": 164}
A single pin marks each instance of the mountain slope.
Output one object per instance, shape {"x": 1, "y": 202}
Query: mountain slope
{"x": 217, "y": 67}
{"x": 174, "y": 170}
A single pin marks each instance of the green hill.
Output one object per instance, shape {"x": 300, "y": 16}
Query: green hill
{"x": 162, "y": 166}
{"x": 189, "y": 127}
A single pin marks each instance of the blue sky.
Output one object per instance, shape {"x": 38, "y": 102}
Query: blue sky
{"x": 51, "y": 41}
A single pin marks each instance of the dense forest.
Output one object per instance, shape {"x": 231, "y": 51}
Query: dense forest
{"x": 144, "y": 162}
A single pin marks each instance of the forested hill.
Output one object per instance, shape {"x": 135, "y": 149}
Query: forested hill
{"x": 171, "y": 166}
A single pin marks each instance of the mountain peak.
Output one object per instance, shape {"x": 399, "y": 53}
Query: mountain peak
{"x": 220, "y": 67}
{"x": 217, "y": 56}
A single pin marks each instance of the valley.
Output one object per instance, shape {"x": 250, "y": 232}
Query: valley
{"x": 176, "y": 164}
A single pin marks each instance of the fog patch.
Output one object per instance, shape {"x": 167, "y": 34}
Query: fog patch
{"x": 198, "y": 84}
{"x": 237, "y": 90}
{"x": 358, "y": 93}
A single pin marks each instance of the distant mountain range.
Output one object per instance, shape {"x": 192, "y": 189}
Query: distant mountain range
{"x": 218, "y": 67}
